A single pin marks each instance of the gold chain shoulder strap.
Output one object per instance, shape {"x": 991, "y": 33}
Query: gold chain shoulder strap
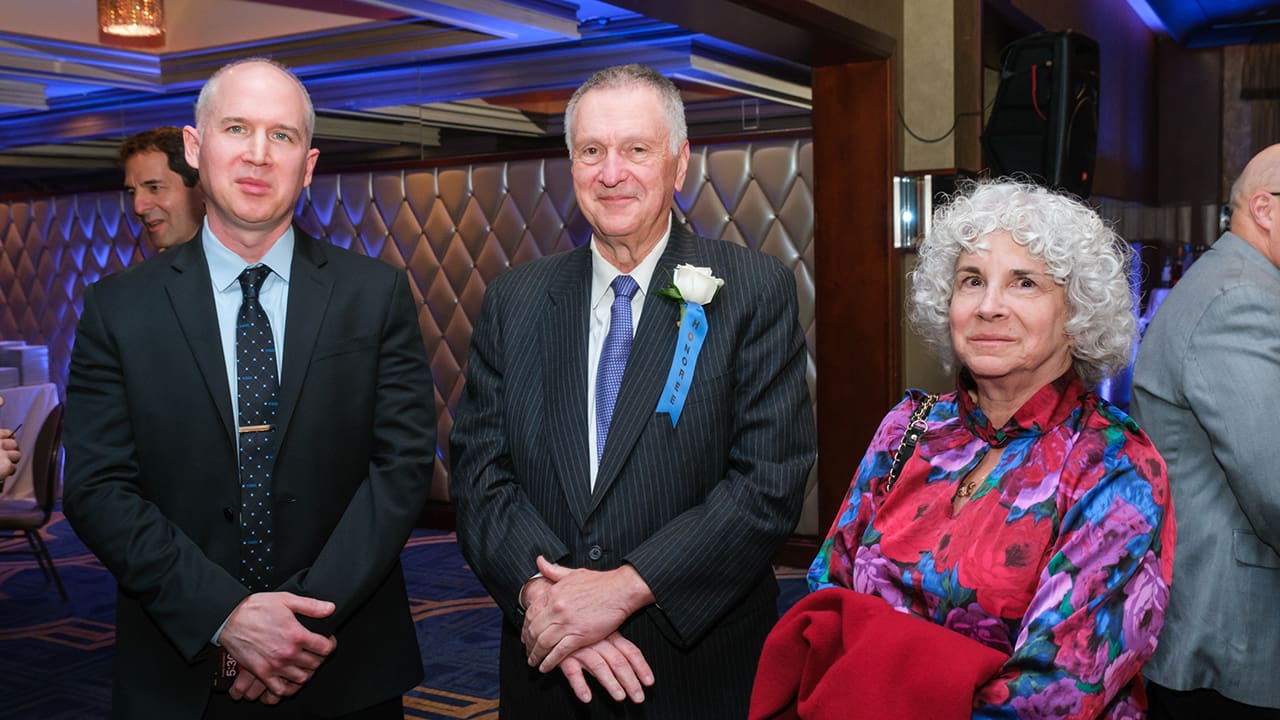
{"x": 915, "y": 430}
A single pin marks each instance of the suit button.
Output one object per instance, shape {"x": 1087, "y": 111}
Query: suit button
{"x": 228, "y": 514}
{"x": 595, "y": 553}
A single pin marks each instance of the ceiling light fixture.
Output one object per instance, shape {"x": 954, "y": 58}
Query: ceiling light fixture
{"x": 131, "y": 18}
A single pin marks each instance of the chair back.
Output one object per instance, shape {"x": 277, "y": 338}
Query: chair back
{"x": 44, "y": 461}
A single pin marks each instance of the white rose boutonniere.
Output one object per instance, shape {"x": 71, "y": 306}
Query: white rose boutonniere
{"x": 696, "y": 284}
{"x": 691, "y": 284}
{"x": 691, "y": 287}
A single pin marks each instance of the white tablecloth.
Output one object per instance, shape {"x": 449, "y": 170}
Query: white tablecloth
{"x": 27, "y": 405}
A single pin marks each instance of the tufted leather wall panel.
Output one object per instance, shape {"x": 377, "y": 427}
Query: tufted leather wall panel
{"x": 453, "y": 228}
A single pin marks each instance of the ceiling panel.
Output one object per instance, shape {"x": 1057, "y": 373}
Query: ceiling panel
{"x": 1206, "y": 23}
{"x": 391, "y": 79}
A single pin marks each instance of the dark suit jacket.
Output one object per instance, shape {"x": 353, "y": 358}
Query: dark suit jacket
{"x": 152, "y": 485}
{"x": 698, "y": 509}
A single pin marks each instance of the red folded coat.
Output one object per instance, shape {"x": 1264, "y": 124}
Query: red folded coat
{"x": 842, "y": 654}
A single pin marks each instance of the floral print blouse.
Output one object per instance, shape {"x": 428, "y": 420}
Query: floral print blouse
{"x": 1062, "y": 557}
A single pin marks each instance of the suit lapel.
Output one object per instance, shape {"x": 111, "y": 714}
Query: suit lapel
{"x": 647, "y": 366}
{"x": 309, "y": 289}
{"x": 191, "y": 295}
{"x": 564, "y": 361}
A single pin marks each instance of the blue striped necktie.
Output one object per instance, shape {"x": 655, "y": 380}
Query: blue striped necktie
{"x": 613, "y": 357}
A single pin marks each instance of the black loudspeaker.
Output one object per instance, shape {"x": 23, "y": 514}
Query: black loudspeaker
{"x": 1045, "y": 119}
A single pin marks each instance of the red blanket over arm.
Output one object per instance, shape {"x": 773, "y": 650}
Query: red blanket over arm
{"x": 842, "y": 654}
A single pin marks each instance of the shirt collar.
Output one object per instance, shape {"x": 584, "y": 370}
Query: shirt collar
{"x": 1048, "y": 408}
{"x": 603, "y": 273}
{"x": 225, "y": 266}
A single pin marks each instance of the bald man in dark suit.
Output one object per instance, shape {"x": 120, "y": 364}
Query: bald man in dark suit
{"x": 254, "y": 531}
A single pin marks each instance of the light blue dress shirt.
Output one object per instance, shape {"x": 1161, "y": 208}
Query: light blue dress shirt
{"x": 224, "y": 272}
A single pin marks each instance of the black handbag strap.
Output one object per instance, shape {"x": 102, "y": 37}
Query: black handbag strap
{"x": 915, "y": 430}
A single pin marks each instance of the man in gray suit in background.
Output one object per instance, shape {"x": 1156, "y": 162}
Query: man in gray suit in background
{"x": 1206, "y": 388}
{"x": 632, "y": 546}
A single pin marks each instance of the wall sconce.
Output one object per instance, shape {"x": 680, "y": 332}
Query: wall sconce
{"x": 131, "y": 18}
{"x": 914, "y": 199}
{"x": 911, "y": 210}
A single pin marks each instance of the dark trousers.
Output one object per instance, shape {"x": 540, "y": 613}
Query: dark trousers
{"x": 222, "y": 707}
{"x": 1201, "y": 704}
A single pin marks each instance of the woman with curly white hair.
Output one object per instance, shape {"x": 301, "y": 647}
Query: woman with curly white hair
{"x": 1022, "y": 510}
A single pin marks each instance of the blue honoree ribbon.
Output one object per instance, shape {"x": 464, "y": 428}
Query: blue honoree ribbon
{"x": 693, "y": 331}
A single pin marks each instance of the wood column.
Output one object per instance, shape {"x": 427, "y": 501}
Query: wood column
{"x": 857, "y": 271}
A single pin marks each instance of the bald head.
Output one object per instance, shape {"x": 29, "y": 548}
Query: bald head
{"x": 210, "y": 91}
{"x": 1255, "y": 208}
{"x": 1262, "y": 173}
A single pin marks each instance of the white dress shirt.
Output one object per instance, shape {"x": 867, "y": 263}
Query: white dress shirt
{"x": 602, "y": 275}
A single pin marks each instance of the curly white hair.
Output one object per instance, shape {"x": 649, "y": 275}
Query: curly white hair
{"x": 1078, "y": 249}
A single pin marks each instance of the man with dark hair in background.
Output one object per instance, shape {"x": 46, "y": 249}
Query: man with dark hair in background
{"x": 165, "y": 189}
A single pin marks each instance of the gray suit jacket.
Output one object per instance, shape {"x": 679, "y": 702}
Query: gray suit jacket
{"x": 698, "y": 509}
{"x": 1206, "y": 388}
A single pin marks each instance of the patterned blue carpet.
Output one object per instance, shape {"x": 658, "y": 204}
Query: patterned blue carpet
{"x": 55, "y": 657}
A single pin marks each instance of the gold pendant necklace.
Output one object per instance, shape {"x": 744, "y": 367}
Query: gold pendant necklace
{"x": 968, "y": 486}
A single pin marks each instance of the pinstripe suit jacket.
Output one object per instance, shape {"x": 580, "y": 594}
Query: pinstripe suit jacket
{"x": 698, "y": 509}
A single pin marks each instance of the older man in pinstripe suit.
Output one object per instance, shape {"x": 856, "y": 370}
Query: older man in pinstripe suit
{"x": 630, "y": 550}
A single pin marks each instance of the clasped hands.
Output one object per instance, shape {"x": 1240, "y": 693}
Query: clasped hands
{"x": 571, "y": 621}
{"x": 277, "y": 655}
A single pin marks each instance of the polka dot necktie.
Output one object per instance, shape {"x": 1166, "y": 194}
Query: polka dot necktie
{"x": 613, "y": 357}
{"x": 256, "y": 390}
